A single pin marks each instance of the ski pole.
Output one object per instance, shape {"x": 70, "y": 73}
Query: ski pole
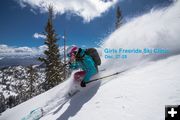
{"x": 105, "y": 76}
{"x": 56, "y": 72}
{"x": 59, "y": 70}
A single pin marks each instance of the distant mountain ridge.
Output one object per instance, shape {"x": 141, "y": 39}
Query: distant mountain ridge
{"x": 15, "y": 61}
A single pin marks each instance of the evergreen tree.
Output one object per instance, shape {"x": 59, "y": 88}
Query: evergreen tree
{"x": 2, "y": 103}
{"x": 32, "y": 78}
{"x": 52, "y": 59}
{"x": 118, "y": 17}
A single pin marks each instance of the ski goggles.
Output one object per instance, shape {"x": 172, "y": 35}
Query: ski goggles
{"x": 72, "y": 54}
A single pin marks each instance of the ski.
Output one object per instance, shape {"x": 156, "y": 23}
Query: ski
{"x": 38, "y": 113}
{"x": 35, "y": 114}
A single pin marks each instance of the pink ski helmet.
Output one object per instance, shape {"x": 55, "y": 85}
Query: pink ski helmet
{"x": 72, "y": 49}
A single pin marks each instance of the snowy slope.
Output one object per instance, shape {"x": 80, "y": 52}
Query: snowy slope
{"x": 138, "y": 93}
{"x": 141, "y": 92}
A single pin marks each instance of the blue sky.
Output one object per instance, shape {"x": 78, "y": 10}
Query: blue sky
{"x": 19, "y": 23}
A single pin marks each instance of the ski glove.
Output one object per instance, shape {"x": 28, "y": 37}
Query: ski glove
{"x": 83, "y": 84}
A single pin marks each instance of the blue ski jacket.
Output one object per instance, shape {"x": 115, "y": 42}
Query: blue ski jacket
{"x": 86, "y": 64}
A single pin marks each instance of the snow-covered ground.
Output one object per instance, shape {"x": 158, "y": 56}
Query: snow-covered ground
{"x": 141, "y": 92}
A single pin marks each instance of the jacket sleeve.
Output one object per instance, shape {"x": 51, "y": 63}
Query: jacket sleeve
{"x": 74, "y": 65}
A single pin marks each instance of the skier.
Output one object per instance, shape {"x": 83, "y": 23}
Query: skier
{"x": 80, "y": 59}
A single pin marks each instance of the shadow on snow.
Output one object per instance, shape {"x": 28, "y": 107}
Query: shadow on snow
{"x": 78, "y": 101}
